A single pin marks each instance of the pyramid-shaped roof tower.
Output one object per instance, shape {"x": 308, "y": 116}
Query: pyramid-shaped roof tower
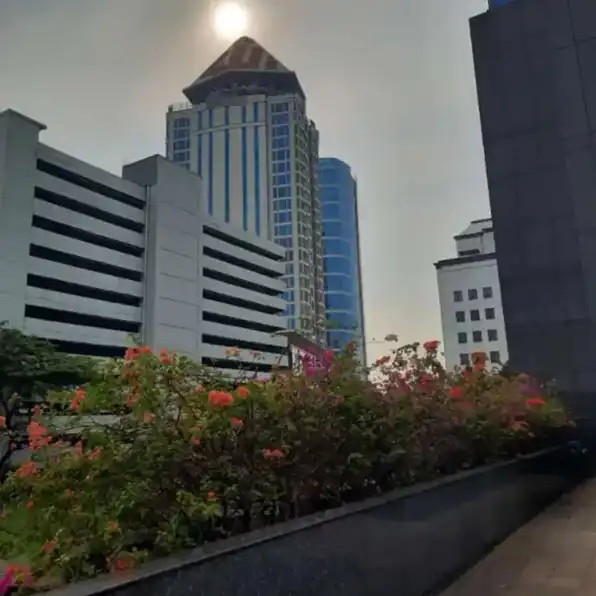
{"x": 246, "y": 67}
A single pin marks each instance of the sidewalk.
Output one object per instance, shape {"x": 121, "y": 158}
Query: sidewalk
{"x": 553, "y": 555}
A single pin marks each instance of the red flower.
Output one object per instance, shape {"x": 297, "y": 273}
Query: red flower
{"x": 242, "y": 392}
{"x": 431, "y": 346}
{"x": 273, "y": 453}
{"x": 95, "y": 453}
{"x": 49, "y": 546}
{"x": 479, "y": 360}
{"x": 148, "y": 417}
{"x": 211, "y": 495}
{"x": 535, "y": 401}
{"x": 381, "y": 361}
{"x": 29, "y": 504}
{"x": 220, "y": 399}
{"x": 38, "y": 436}
{"x": 455, "y": 392}
{"x": 236, "y": 422}
{"x": 2, "y": 421}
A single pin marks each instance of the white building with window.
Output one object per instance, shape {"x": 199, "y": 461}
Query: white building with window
{"x": 470, "y": 298}
{"x": 88, "y": 258}
{"x": 245, "y": 131}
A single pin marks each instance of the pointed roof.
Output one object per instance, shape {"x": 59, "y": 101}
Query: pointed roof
{"x": 243, "y": 57}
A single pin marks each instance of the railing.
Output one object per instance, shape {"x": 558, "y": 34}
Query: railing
{"x": 179, "y": 107}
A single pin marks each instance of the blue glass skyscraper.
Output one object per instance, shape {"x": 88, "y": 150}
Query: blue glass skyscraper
{"x": 338, "y": 197}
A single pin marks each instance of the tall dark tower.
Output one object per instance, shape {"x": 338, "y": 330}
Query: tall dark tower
{"x": 535, "y": 64}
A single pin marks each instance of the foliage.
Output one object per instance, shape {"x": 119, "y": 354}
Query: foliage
{"x": 29, "y": 366}
{"x": 189, "y": 459}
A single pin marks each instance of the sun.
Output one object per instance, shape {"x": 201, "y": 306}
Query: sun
{"x": 230, "y": 20}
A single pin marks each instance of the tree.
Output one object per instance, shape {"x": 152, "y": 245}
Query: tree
{"x": 29, "y": 367}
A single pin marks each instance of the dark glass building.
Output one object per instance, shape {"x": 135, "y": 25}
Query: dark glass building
{"x": 535, "y": 64}
{"x": 338, "y": 197}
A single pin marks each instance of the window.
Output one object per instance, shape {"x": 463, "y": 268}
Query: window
{"x": 458, "y": 296}
{"x": 474, "y": 315}
{"x": 492, "y": 335}
{"x": 489, "y": 313}
{"x": 477, "y": 336}
{"x": 462, "y": 338}
{"x": 473, "y": 294}
{"x": 487, "y": 292}
{"x": 495, "y": 357}
{"x": 464, "y": 359}
{"x": 460, "y": 316}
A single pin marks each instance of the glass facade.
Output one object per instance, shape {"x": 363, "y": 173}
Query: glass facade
{"x": 498, "y": 3}
{"x": 341, "y": 256}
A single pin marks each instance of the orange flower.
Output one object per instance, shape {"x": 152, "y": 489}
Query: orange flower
{"x": 49, "y": 546}
{"x": 535, "y": 401}
{"x": 112, "y": 526}
{"x": 236, "y": 422}
{"x": 78, "y": 398}
{"x": 220, "y": 399}
{"x": 148, "y": 417}
{"x": 27, "y": 469}
{"x": 29, "y": 504}
{"x": 242, "y": 392}
{"x": 2, "y": 421}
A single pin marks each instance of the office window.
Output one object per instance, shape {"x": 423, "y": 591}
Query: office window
{"x": 495, "y": 357}
{"x": 477, "y": 336}
{"x": 462, "y": 338}
{"x": 489, "y": 313}
{"x": 487, "y": 292}
{"x": 473, "y": 294}
{"x": 464, "y": 359}
{"x": 460, "y": 316}
{"x": 492, "y": 335}
{"x": 474, "y": 315}
{"x": 458, "y": 296}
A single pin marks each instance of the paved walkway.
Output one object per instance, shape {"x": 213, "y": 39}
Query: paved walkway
{"x": 553, "y": 555}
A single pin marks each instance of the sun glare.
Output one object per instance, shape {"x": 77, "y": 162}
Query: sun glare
{"x": 230, "y": 20}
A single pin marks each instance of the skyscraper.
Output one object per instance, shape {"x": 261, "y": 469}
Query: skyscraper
{"x": 535, "y": 64}
{"x": 338, "y": 195}
{"x": 246, "y": 133}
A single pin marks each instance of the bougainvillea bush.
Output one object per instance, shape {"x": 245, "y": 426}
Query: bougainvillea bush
{"x": 186, "y": 457}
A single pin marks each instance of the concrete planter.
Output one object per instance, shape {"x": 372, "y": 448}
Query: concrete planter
{"x": 410, "y": 542}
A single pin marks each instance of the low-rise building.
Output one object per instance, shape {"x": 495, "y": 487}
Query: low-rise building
{"x": 90, "y": 260}
{"x": 470, "y": 298}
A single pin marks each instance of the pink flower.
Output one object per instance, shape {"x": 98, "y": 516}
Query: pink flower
{"x": 6, "y": 582}
{"x": 236, "y": 422}
{"x": 273, "y": 453}
{"x": 431, "y": 346}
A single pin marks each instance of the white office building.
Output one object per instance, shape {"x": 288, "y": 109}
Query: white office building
{"x": 88, "y": 258}
{"x": 245, "y": 131}
{"x": 470, "y": 298}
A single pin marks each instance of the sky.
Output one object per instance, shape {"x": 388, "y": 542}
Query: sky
{"x": 390, "y": 84}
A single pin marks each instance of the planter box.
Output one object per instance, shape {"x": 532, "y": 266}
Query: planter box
{"x": 410, "y": 542}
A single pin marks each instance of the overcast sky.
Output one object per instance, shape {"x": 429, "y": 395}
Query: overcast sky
{"x": 390, "y": 84}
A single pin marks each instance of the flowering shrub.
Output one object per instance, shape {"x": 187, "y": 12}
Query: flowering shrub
{"x": 184, "y": 457}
